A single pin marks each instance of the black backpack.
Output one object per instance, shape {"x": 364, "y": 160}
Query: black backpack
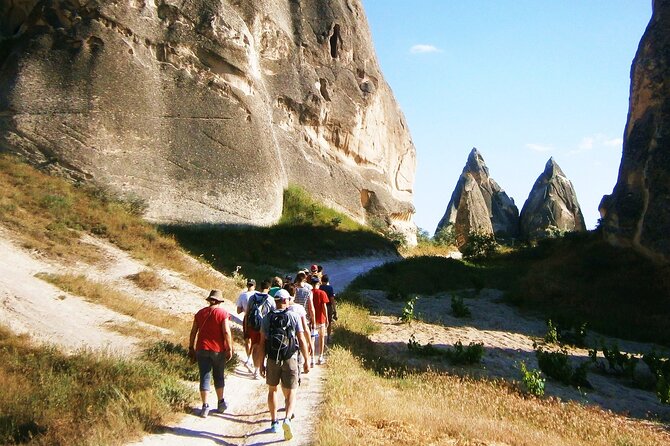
{"x": 282, "y": 341}
{"x": 255, "y": 314}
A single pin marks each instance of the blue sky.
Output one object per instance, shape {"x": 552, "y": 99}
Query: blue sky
{"x": 521, "y": 80}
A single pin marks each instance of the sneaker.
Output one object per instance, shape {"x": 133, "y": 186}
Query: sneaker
{"x": 288, "y": 432}
{"x": 322, "y": 360}
{"x": 274, "y": 427}
{"x": 311, "y": 362}
{"x": 222, "y": 406}
{"x": 249, "y": 365}
{"x": 257, "y": 375}
{"x": 204, "y": 410}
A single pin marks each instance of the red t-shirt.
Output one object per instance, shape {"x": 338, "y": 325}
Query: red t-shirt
{"x": 210, "y": 335}
{"x": 319, "y": 297}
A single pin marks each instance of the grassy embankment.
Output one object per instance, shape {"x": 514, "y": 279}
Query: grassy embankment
{"x": 372, "y": 401}
{"x": 575, "y": 279}
{"x": 307, "y": 231}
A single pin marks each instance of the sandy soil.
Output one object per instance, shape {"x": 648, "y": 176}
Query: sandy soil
{"x": 508, "y": 337}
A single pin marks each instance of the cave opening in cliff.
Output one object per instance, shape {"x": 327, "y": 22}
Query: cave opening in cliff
{"x": 335, "y": 40}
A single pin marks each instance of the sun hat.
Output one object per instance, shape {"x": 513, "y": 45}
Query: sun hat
{"x": 282, "y": 294}
{"x": 215, "y": 295}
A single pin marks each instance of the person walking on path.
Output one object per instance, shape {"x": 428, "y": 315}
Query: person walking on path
{"x": 259, "y": 305}
{"x": 282, "y": 336}
{"x": 331, "y": 305}
{"x": 303, "y": 296}
{"x": 242, "y": 302}
{"x": 276, "y": 286}
{"x": 320, "y": 300}
{"x": 214, "y": 347}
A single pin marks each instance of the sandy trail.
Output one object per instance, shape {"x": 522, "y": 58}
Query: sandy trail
{"x": 247, "y": 420}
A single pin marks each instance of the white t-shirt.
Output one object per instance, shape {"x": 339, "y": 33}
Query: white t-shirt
{"x": 298, "y": 309}
{"x": 243, "y": 300}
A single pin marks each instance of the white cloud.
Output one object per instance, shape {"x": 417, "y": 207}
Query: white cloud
{"x": 539, "y": 148}
{"x": 597, "y": 141}
{"x": 423, "y": 49}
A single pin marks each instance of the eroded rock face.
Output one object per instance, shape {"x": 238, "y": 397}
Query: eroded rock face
{"x": 637, "y": 213}
{"x": 207, "y": 109}
{"x": 551, "y": 206}
{"x": 479, "y": 204}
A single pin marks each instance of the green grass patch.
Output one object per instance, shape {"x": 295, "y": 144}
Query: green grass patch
{"x": 307, "y": 230}
{"x": 87, "y": 398}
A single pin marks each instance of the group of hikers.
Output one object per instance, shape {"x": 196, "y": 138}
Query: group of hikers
{"x": 286, "y": 325}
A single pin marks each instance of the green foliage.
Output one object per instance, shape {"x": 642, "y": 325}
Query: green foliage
{"x": 551, "y": 337}
{"x": 618, "y": 362}
{"x": 300, "y": 209}
{"x": 459, "y": 355}
{"x": 663, "y": 389}
{"x": 173, "y": 359}
{"x": 445, "y": 236}
{"x": 479, "y": 246}
{"x": 384, "y": 229}
{"x": 660, "y": 367}
{"x": 458, "y": 307}
{"x": 68, "y": 399}
{"x": 408, "y": 315}
{"x": 531, "y": 380}
{"x": 556, "y": 365}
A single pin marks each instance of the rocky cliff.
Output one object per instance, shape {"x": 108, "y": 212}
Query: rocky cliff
{"x": 551, "y": 205}
{"x": 479, "y": 204}
{"x": 207, "y": 109}
{"x": 637, "y": 213}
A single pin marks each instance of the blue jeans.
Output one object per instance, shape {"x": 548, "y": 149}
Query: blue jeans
{"x": 209, "y": 363}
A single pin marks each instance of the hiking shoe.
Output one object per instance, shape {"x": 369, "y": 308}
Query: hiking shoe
{"x": 274, "y": 427}
{"x": 257, "y": 375}
{"x": 288, "y": 432}
{"x": 204, "y": 410}
{"x": 222, "y": 406}
{"x": 322, "y": 360}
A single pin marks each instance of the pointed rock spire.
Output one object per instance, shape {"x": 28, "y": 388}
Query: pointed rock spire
{"x": 479, "y": 204}
{"x": 551, "y": 205}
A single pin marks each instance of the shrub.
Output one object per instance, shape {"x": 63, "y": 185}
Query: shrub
{"x": 531, "y": 380}
{"x": 408, "y": 314}
{"x": 460, "y": 355}
{"x": 551, "y": 337}
{"x": 618, "y": 362}
{"x": 422, "y": 350}
{"x": 445, "y": 236}
{"x": 660, "y": 367}
{"x": 479, "y": 246}
{"x": 556, "y": 365}
{"x": 458, "y": 308}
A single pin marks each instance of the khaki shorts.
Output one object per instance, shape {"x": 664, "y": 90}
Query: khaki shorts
{"x": 285, "y": 371}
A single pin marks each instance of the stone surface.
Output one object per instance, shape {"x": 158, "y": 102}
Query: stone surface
{"x": 551, "y": 206}
{"x": 207, "y": 109}
{"x": 479, "y": 204}
{"x": 637, "y": 213}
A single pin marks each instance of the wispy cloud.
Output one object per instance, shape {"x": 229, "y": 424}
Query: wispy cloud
{"x": 424, "y": 49}
{"x": 539, "y": 147}
{"x": 597, "y": 141}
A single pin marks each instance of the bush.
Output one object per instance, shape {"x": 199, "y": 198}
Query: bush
{"x": 408, "y": 314}
{"x": 445, "y": 236}
{"x": 531, "y": 380}
{"x": 660, "y": 367}
{"x": 458, "y": 308}
{"x": 556, "y": 365}
{"x": 422, "y": 350}
{"x": 620, "y": 363}
{"x": 460, "y": 355}
{"x": 551, "y": 337}
{"x": 479, "y": 246}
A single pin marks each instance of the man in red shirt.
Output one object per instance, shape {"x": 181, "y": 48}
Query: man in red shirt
{"x": 213, "y": 349}
{"x": 320, "y": 299}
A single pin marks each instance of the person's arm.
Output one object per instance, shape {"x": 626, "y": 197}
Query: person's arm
{"x": 227, "y": 338}
{"x": 325, "y": 311}
{"x": 191, "y": 338}
{"x": 261, "y": 352}
{"x": 304, "y": 350}
{"x": 310, "y": 307}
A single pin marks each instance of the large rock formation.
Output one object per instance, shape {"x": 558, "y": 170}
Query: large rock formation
{"x": 638, "y": 211}
{"x": 551, "y": 206}
{"x": 479, "y": 204}
{"x": 207, "y": 109}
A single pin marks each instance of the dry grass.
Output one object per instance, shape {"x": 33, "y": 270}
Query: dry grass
{"x": 119, "y": 302}
{"x": 366, "y": 408}
{"x": 428, "y": 249}
{"x": 147, "y": 280}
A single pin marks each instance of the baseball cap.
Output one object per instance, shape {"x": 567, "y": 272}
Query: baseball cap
{"x": 251, "y": 282}
{"x": 282, "y": 295}
{"x": 315, "y": 279}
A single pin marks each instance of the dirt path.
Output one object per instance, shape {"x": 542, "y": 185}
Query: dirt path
{"x": 247, "y": 421}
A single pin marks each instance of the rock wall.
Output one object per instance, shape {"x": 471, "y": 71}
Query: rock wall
{"x": 551, "y": 206}
{"x": 637, "y": 213}
{"x": 479, "y": 204}
{"x": 207, "y": 109}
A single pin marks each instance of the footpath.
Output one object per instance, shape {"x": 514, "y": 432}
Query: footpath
{"x": 247, "y": 420}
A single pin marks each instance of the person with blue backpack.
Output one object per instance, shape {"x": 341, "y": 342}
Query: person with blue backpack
{"x": 258, "y": 306}
{"x": 282, "y": 335}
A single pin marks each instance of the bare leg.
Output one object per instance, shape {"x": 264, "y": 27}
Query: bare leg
{"x": 322, "y": 340}
{"x": 289, "y": 401}
{"x": 272, "y": 403}
{"x": 247, "y": 347}
{"x": 203, "y": 396}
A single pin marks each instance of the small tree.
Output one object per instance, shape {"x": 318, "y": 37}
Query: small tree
{"x": 479, "y": 245}
{"x": 445, "y": 236}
